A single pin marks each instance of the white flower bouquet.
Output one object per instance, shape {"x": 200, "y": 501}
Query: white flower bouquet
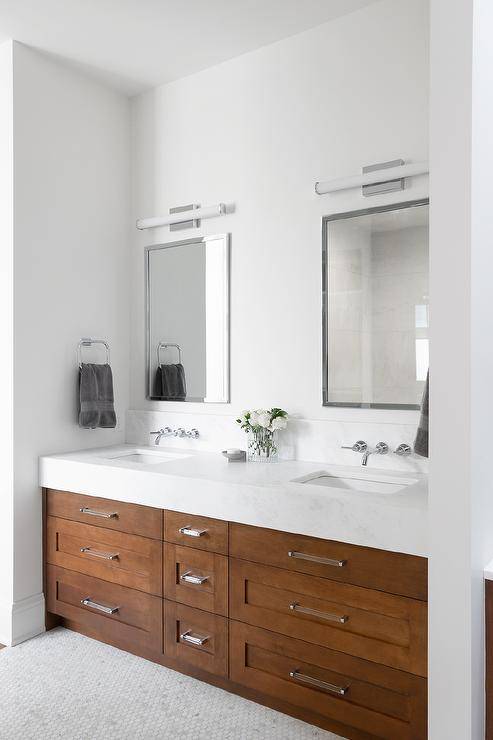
{"x": 262, "y": 427}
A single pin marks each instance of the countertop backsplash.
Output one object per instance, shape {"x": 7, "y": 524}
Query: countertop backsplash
{"x": 305, "y": 439}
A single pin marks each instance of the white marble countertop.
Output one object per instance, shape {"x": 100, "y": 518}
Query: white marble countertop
{"x": 265, "y": 495}
{"x": 488, "y": 571}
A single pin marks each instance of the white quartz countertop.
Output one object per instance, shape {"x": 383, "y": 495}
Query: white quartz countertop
{"x": 260, "y": 494}
{"x": 488, "y": 571}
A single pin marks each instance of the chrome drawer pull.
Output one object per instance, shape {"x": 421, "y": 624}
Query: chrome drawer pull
{"x": 100, "y": 607}
{"x": 193, "y": 639}
{"x": 191, "y": 532}
{"x": 341, "y": 690}
{"x": 102, "y": 514}
{"x": 295, "y": 607}
{"x": 98, "y": 554}
{"x": 316, "y": 559}
{"x": 189, "y": 577}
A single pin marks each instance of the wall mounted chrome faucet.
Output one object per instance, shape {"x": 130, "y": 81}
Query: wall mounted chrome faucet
{"x": 381, "y": 448}
{"x": 361, "y": 446}
{"x": 180, "y": 432}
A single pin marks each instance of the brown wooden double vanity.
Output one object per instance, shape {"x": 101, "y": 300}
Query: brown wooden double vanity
{"x": 331, "y": 633}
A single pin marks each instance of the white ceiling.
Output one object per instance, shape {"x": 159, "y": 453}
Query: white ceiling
{"x": 136, "y": 44}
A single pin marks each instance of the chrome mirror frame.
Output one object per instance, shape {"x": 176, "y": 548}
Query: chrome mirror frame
{"x": 325, "y": 300}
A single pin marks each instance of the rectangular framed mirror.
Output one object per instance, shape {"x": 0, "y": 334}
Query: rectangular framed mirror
{"x": 187, "y": 290}
{"x": 375, "y": 281}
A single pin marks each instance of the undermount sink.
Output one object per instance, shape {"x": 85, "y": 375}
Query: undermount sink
{"x": 145, "y": 457}
{"x": 374, "y": 483}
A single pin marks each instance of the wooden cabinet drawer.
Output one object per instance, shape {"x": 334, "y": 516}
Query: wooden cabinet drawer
{"x": 126, "y": 618}
{"x": 379, "y": 569}
{"x": 101, "y": 512}
{"x": 200, "y": 532}
{"x": 196, "y": 578}
{"x": 369, "y": 624}
{"x": 372, "y": 699}
{"x": 488, "y": 586}
{"x": 121, "y": 558}
{"x": 196, "y": 638}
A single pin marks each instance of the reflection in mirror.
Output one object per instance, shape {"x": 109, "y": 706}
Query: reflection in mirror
{"x": 375, "y": 306}
{"x": 188, "y": 320}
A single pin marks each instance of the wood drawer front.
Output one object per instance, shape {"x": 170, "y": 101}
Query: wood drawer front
{"x": 136, "y": 625}
{"x": 393, "y": 572}
{"x": 102, "y": 512}
{"x": 362, "y": 622}
{"x": 182, "y": 622}
{"x": 196, "y": 578}
{"x": 380, "y": 701}
{"x": 488, "y": 585}
{"x": 213, "y": 532}
{"x": 136, "y": 563}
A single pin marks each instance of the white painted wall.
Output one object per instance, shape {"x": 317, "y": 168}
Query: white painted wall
{"x": 259, "y": 130}
{"x": 461, "y": 502}
{"x": 71, "y": 207}
{"x": 6, "y": 332}
{"x": 481, "y": 347}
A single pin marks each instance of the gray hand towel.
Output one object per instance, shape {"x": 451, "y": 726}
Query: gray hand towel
{"x": 171, "y": 383}
{"x": 421, "y": 441}
{"x": 96, "y": 402}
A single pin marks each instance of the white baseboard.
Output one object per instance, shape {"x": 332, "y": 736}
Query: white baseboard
{"x": 22, "y": 620}
{"x": 5, "y": 623}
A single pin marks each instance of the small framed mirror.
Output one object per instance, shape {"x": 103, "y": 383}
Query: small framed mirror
{"x": 375, "y": 279}
{"x": 188, "y": 320}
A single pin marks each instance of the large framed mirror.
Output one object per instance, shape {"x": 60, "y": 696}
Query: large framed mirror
{"x": 188, "y": 320}
{"x": 375, "y": 281}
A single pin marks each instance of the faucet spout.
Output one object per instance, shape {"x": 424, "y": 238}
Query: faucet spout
{"x": 360, "y": 446}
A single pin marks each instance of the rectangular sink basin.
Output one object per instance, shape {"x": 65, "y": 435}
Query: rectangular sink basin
{"x": 377, "y": 483}
{"x": 145, "y": 457}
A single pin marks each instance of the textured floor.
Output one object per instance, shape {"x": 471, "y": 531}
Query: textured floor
{"x": 64, "y": 685}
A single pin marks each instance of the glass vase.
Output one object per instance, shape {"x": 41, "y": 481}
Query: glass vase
{"x": 262, "y": 446}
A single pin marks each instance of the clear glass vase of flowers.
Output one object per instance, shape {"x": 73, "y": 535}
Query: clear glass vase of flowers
{"x": 262, "y": 427}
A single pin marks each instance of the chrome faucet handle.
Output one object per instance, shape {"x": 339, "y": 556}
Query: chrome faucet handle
{"x": 403, "y": 449}
{"x": 382, "y": 448}
{"x": 359, "y": 446}
{"x": 193, "y": 433}
{"x": 180, "y": 432}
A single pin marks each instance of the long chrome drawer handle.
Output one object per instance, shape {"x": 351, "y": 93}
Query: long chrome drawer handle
{"x": 193, "y": 639}
{"x": 190, "y": 577}
{"x": 191, "y": 532}
{"x": 98, "y": 554}
{"x": 333, "y": 688}
{"x": 100, "y": 607}
{"x": 295, "y": 607}
{"x": 102, "y": 514}
{"x": 316, "y": 559}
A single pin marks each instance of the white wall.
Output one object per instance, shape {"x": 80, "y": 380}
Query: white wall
{"x": 71, "y": 219}
{"x": 481, "y": 333}
{"x": 258, "y": 131}
{"x": 461, "y": 476}
{"x": 6, "y": 332}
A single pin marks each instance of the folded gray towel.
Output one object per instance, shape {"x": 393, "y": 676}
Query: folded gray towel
{"x": 421, "y": 441}
{"x": 171, "y": 383}
{"x": 96, "y": 403}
